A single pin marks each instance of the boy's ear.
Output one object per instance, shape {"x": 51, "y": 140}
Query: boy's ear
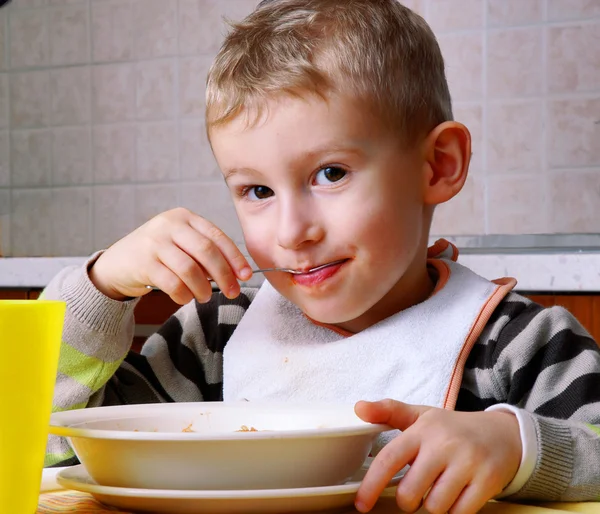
{"x": 447, "y": 156}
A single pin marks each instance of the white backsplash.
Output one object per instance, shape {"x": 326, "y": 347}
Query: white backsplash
{"x": 101, "y": 116}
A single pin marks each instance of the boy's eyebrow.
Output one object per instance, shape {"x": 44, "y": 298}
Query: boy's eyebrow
{"x": 329, "y": 149}
{"x": 236, "y": 171}
{"x": 314, "y": 154}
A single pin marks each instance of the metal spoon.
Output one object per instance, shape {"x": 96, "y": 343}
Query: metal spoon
{"x": 285, "y": 270}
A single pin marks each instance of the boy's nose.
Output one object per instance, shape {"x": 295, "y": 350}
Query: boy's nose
{"x": 298, "y": 225}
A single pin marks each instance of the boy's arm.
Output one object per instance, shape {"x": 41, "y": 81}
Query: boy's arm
{"x": 177, "y": 363}
{"x": 96, "y": 337}
{"x": 543, "y": 362}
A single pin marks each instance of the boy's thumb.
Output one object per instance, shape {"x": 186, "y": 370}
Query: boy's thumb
{"x": 390, "y": 412}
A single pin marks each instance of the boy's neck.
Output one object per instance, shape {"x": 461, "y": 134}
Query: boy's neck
{"x": 414, "y": 287}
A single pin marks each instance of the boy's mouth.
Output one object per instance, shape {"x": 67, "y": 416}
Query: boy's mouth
{"x": 318, "y": 275}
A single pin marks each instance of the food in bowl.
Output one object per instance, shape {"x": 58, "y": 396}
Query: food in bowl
{"x": 204, "y": 446}
{"x": 244, "y": 428}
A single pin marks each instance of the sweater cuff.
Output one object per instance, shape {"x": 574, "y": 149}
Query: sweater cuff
{"x": 553, "y": 473}
{"x": 529, "y": 444}
{"x": 91, "y": 307}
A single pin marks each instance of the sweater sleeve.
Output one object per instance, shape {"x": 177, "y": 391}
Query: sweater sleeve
{"x": 96, "y": 337}
{"x": 542, "y": 361}
{"x": 181, "y": 362}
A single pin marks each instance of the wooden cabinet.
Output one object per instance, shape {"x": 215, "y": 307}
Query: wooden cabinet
{"x": 15, "y": 294}
{"x": 156, "y": 307}
{"x": 150, "y": 313}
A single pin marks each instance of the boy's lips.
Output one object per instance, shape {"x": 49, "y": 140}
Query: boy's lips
{"x": 316, "y": 277}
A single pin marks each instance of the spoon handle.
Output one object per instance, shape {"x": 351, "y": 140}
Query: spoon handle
{"x": 253, "y": 271}
{"x": 285, "y": 270}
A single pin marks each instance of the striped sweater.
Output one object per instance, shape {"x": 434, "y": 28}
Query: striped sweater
{"x": 540, "y": 360}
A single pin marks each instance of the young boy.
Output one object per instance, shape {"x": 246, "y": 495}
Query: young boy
{"x": 331, "y": 121}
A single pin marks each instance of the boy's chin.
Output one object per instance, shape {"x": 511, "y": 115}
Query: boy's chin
{"x": 334, "y": 316}
{"x": 331, "y": 310}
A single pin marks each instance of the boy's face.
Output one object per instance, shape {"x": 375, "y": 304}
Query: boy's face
{"x": 317, "y": 182}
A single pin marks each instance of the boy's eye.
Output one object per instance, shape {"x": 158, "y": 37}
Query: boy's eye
{"x": 259, "y": 192}
{"x": 329, "y": 174}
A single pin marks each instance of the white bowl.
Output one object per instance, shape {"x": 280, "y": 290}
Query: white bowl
{"x": 195, "y": 446}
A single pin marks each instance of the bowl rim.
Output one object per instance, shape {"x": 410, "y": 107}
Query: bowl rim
{"x": 65, "y": 423}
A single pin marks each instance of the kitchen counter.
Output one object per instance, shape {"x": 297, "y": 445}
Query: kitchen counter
{"x": 32, "y": 272}
{"x": 551, "y": 270}
{"x": 576, "y": 271}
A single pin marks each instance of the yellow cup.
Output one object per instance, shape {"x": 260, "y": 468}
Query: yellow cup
{"x": 30, "y": 335}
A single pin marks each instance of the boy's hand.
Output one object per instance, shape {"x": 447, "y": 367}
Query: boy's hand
{"x": 458, "y": 460}
{"x": 175, "y": 251}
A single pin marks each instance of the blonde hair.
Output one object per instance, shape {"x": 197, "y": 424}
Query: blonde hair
{"x": 377, "y": 51}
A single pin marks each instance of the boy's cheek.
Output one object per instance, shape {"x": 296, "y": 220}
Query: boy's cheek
{"x": 258, "y": 247}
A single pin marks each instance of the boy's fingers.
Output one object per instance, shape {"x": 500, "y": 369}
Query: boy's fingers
{"x": 472, "y": 499}
{"x": 228, "y": 248}
{"x": 188, "y": 271}
{"x": 209, "y": 257}
{"x": 391, "y": 412}
{"x": 391, "y": 459}
{"x": 423, "y": 473}
{"x": 162, "y": 277}
{"x": 445, "y": 491}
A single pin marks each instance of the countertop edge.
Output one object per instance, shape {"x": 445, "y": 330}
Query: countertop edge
{"x": 33, "y": 272}
{"x": 535, "y": 272}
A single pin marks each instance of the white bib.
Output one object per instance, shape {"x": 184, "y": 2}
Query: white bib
{"x": 277, "y": 354}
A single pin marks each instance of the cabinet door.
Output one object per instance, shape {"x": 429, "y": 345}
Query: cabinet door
{"x": 10, "y": 294}
{"x": 595, "y": 326}
{"x": 150, "y": 313}
{"x": 546, "y": 300}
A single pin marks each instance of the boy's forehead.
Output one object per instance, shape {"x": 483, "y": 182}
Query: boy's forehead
{"x": 295, "y": 127}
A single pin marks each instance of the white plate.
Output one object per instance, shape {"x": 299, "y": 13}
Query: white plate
{"x": 49, "y": 480}
{"x": 161, "y": 501}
